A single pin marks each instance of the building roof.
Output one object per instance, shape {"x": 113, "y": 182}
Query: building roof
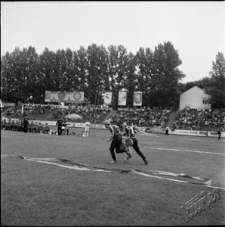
{"x": 194, "y": 87}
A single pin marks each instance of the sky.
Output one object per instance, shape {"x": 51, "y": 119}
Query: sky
{"x": 196, "y": 29}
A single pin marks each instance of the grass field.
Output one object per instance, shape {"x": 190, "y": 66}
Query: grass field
{"x": 50, "y": 193}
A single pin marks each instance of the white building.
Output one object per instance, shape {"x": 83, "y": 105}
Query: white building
{"x": 194, "y": 98}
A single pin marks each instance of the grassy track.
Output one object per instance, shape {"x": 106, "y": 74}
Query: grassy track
{"x": 38, "y": 194}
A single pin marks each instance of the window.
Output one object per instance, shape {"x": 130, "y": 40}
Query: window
{"x": 205, "y": 101}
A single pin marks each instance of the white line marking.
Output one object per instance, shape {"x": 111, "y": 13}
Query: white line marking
{"x": 64, "y": 166}
{"x": 147, "y": 134}
{"x": 101, "y": 170}
{"x": 6, "y": 155}
{"x": 190, "y": 139}
{"x": 169, "y": 179}
{"x": 133, "y": 171}
{"x": 202, "y": 152}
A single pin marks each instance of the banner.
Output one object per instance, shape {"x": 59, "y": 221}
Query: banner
{"x": 108, "y": 98}
{"x": 47, "y": 96}
{"x": 64, "y": 96}
{"x": 137, "y": 98}
{"x": 122, "y": 100}
{"x": 188, "y": 132}
{"x": 214, "y": 134}
{"x": 8, "y": 104}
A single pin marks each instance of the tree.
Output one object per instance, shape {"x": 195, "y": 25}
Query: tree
{"x": 18, "y": 74}
{"x": 47, "y": 72}
{"x": 117, "y": 69}
{"x": 203, "y": 83}
{"x": 8, "y": 78}
{"x": 216, "y": 90}
{"x": 166, "y": 75}
{"x": 130, "y": 79}
{"x": 81, "y": 65}
{"x": 72, "y": 80}
{"x": 34, "y": 87}
{"x": 144, "y": 71}
{"x": 97, "y": 71}
{"x": 94, "y": 70}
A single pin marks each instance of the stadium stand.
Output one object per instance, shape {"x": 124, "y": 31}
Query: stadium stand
{"x": 142, "y": 117}
{"x": 32, "y": 111}
{"x": 199, "y": 119}
{"x": 86, "y": 111}
{"x": 187, "y": 118}
{"x": 52, "y": 112}
{"x": 5, "y": 109}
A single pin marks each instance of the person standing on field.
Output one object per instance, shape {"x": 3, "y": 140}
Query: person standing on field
{"x": 167, "y": 131}
{"x": 25, "y": 124}
{"x": 59, "y": 126}
{"x": 86, "y": 129}
{"x": 219, "y": 134}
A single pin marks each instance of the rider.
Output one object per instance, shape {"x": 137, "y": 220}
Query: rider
{"x": 130, "y": 132}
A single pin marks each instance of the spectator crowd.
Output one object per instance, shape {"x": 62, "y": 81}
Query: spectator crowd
{"x": 33, "y": 110}
{"x": 86, "y": 111}
{"x": 19, "y": 125}
{"x": 142, "y": 117}
{"x": 199, "y": 119}
{"x": 187, "y": 118}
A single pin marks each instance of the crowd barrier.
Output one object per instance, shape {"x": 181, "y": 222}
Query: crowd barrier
{"x": 184, "y": 132}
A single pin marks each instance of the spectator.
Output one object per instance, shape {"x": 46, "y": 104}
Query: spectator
{"x": 31, "y": 127}
{"x": 167, "y": 130}
{"x": 219, "y": 134}
{"x": 65, "y": 127}
{"x": 143, "y": 117}
{"x": 46, "y": 129}
{"x": 199, "y": 118}
{"x": 59, "y": 126}
{"x": 39, "y": 128}
{"x": 25, "y": 124}
{"x": 86, "y": 129}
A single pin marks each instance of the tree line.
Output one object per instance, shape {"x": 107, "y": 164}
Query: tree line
{"x": 97, "y": 69}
